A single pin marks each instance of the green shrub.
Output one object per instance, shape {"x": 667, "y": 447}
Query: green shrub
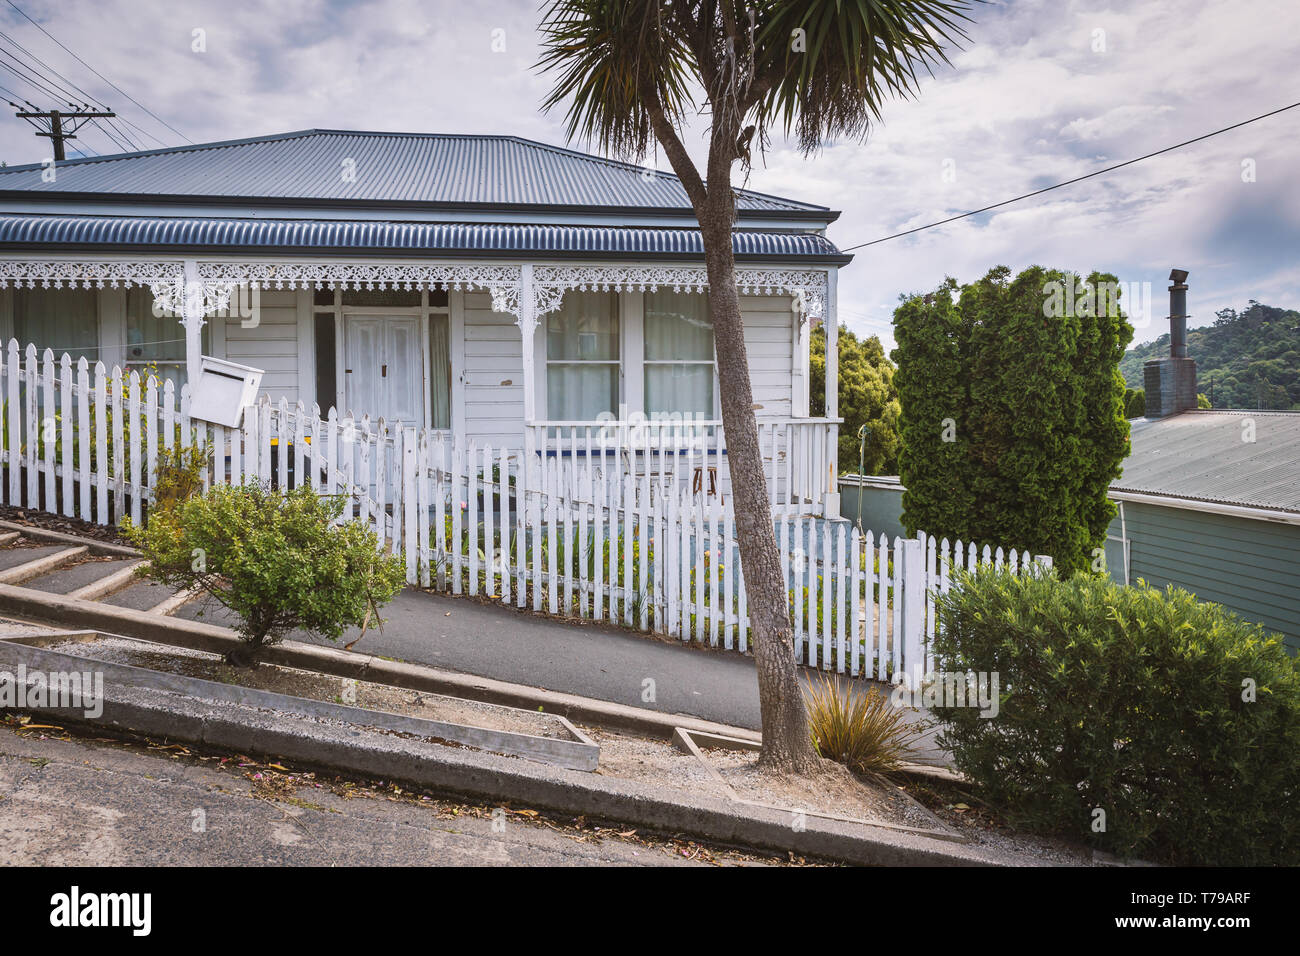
{"x": 1133, "y": 701}
{"x": 278, "y": 561}
{"x": 859, "y": 728}
{"x": 179, "y": 474}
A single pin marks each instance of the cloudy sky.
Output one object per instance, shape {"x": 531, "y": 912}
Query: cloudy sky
{"x": 1045, "y": 90}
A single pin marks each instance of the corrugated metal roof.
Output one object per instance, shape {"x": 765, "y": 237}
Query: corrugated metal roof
{"x": 124, "y": 232}
{"x": 384, "y": 167}
{"x": 1201, "y": 455}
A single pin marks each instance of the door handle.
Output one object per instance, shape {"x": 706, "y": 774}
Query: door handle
{"x": 383, "y": 371}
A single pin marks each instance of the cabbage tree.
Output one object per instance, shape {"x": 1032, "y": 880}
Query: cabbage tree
{"x": 631, "y": 73}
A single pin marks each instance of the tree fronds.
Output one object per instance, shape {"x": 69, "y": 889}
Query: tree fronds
{"x": 615, "y": 60}
{"x": 832, "y": 64}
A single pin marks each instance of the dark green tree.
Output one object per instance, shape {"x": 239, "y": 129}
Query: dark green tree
{"x": 1247, "y": 359}
{"x": 1013, "y": 417}
{"x": 867, "y": 397}
{"x": 931, "y": 332}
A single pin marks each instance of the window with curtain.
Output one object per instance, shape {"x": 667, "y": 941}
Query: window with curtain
{"x": 155, "y": 344}
{"x": 582, "y": 357}
{"x": 439, "y": 371}
{"x": 64, "y": 320}
{"x": 679, "y": 362}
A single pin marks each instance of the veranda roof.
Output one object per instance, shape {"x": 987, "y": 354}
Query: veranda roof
{"x": 155, "y": 234}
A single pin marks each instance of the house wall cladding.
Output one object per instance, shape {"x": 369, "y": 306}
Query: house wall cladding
{"x": 492, "y": 382}
{"x": 271, "y": 344}
{"x": 1250, "y": 567}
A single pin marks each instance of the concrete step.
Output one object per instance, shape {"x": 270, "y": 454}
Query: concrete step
{"x": 174, "y": 603}
{"x": 206, "y": 611}
{"x": 14, "y": 555}
{"x": 69, "y": 578}
{"x": 122, "y": 576}
{"x": 138, "y": 595}
{"x": 40, "y": 565}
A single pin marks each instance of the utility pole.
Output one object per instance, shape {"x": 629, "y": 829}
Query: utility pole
{"x": 50, "y": 123}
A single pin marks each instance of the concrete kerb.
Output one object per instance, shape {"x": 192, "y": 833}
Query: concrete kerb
{"x": 67, "y": 612}
{"x": 490, "y": 777}
{"x": 574, "y": 750}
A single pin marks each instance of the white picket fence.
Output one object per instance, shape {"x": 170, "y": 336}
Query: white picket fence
{"x": 598, "y": 538}
{"x": 799, "y": 455}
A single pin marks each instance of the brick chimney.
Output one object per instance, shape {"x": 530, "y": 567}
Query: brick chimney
{"x": 1170, "y": 383}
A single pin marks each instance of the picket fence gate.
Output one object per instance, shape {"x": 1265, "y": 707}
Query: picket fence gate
{"x": 602, "y": 539}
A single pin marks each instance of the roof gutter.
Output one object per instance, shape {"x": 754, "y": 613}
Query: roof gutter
{"x": 1209, "y": 507}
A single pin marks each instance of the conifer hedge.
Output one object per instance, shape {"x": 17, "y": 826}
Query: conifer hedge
{"x": 1013, "y": 422}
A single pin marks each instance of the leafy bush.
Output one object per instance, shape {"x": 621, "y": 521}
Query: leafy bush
{"x": 179, "y": 474}
{"x": 277, "y": 560}
{"x": 1130, "y": 700}
{"x": 863, "y": 730}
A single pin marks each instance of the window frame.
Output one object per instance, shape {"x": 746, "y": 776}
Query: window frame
{"x": 632, "y": 363}
{"x": 714, "y": 412}
{"x": 619, "y": 315}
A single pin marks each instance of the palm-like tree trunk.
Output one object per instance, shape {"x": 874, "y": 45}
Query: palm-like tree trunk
{"x": 787, "y": 745}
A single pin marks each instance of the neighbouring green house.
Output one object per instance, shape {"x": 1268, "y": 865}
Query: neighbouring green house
{"x": 1210, "y": 501}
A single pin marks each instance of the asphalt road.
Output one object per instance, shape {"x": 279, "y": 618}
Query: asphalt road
{"x": 80, "y": 803}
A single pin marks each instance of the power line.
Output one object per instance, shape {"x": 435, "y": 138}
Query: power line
{"x": 100, "y": 75}
{"x": 35, "y": 82}
{"x": 1069, "y": 182}
{"x": 109, "y": 131}
{"x": 41, "y": 63}
{"x": 88, "y": 97}
{"x": 49, "y": 123}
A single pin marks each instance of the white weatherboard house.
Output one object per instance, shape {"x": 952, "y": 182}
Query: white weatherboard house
{"x": 495, "y": 352}
{"x": 483, "y": 289}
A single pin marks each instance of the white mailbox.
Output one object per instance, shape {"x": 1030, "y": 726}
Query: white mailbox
{"x": 223, "y": 390}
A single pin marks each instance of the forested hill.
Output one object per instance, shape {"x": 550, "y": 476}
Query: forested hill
{"x": 1248, "y": 359}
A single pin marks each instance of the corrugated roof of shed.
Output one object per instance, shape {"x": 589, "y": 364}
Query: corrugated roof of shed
{"x": 1201, "y": 455}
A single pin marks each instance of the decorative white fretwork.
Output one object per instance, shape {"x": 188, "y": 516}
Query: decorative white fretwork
{"x": 502, "y": 281}
{"x": 218, "y": 278}
{"x": 807, "y": 288}
{"x": 203, "y": 297}
{"x": 86, "y": 274}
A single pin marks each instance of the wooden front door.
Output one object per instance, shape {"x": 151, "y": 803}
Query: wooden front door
{"x": 383, "y": 368}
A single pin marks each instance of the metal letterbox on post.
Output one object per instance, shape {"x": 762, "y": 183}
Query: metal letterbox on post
{"x": 223, "y": 390}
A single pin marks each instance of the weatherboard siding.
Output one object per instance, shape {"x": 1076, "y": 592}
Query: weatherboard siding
{"x": 492, "y": 378}
{"x": 487, "y": 361}
{"x": 1250, "y": 567}
{"x": 769, "y": 344}
{"x": 271, "y": 344}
